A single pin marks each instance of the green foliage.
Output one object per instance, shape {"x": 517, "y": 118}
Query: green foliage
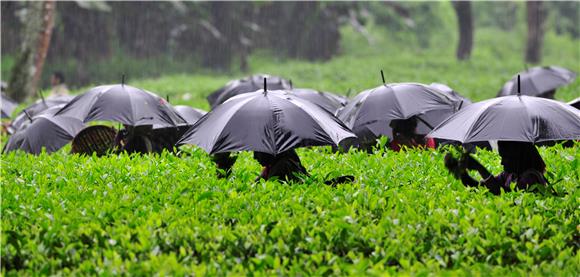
{"x": 141, "y": 215}
{"x": 171, "y": 215}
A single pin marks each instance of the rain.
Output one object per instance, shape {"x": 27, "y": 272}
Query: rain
{"x": 289, "y": 137}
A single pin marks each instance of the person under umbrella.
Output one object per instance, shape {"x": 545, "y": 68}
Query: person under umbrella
{"x": 538, "y": 81}
{"x": 405, "y": 135}
{"x": 138, "y": 110}
{"x": 284, "y": 166}
{"x": 45, "y": 131}
{"x": 517, "y": 122}
{"x": 373, "y": 110}
{"x": 522, "y": 165}
{"x": 269, "y": 122}
{"x": 248, "y": 84}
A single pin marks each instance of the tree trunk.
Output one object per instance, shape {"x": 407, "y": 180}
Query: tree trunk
{"x": 536, "y": 16}
{"x": 36, "y": 39}
{"x": 465, "y": 23}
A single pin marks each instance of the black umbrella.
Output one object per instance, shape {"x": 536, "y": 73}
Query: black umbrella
{"x": 325, "y": 100}
{"x": 512, "y": 118}
{"x": 372, "y": 110}
{"x": 45, "y": 131}
{"x": 451, "y": 93}
{"x": 189, "y": 114}
{"x": 575, "y": 103}
{"x": 270, "y": 122}
{"x": 7, "y": 106}
{"x": 248, "y": 84}
{"x": 538, "y": 81}
{"x": 24, "y": 119}
{"x": 37, "y": 108}
{"x": 124, "y": 104}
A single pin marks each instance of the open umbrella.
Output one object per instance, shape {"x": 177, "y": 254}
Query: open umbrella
{"x": 265, "y": 121}
{"x": 372, "y": 110}
{"x": 124, "y": 104}
{"x": 45, "y": 131}
{"x": 538, "y": 81}
{"x": 189, "y": 114}
{"x": 325, "y": 100}
{"x": 37, "y": 108}
{"x": 248, "y": 84}
{"x": 24, "y": 119}
{"x": 451, "y": 93}
{"x": 512, "y": 118}
{"x": 7, "y": 106}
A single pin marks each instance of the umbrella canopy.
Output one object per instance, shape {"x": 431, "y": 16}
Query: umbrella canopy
{"x": 23, "y": 119}
{"x": 372, "y": 110}
{"x": 7, "y": 106}
{"x": 575, "y": 103}
{"x": 537, "y": 81}
{"x": 35, "y": 109}
{"x": 451, "y": 93}
{"x": 512, "y": 118}
{"x": 124, "y": 104}
{"x": 189, "y": 114}
{"x": 248, "y": 84}
{"x": 270, "y": 122}
{"x": 325, "y": 100}
{"x": 45, "y": 131}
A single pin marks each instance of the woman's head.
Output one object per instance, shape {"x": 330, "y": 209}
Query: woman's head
{"x": 517, "y": 157}
{"x": 404, "y": 127}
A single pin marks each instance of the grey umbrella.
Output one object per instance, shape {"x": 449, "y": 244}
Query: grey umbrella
{"x": 248, "y": 84}
{"x": 539, "y": 81}
{"x": 270, "y": 122}
{"x": 37, "y": 108}
{"x": 189, "y": 114}
{"x": 124, "y": 104}
{"x": 512, "y": 118}
{"x": 372, "y": 110}
{"x": 24, "y": 119}
{"x": 325, "y": 100}
{"x": 7, "y": 106}
{"x": 451, "y": 93}
{"x": 45, "y": 131}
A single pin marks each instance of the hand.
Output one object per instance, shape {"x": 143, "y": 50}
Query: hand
{"x": 455, "y": 166}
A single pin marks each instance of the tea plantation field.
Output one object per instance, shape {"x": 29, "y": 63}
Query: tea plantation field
{"x": 404, "y": 214}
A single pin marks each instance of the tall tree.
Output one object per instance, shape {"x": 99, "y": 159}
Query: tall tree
{"x": 38, "y": 24}
{"x": 465, "y": 24}
{"x": 536, "y": 16}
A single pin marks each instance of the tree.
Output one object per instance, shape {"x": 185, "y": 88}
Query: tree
{"x": 536, "y": 16}
{"x": 465, "y": 24}
{"x": 38, "y": 24}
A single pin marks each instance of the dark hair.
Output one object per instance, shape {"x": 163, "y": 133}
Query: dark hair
{"x": 404, "y": 126}
{"x": 59, "y": 76}
{"x": 520, "y": 156}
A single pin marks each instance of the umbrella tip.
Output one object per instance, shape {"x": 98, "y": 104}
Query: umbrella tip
{"x": 519, "y": 86}
{"x": 265, "y": 87}
{"x": 383, "y": 76}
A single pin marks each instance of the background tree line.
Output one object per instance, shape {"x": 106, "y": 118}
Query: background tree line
{"x": 221, "y": 35}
